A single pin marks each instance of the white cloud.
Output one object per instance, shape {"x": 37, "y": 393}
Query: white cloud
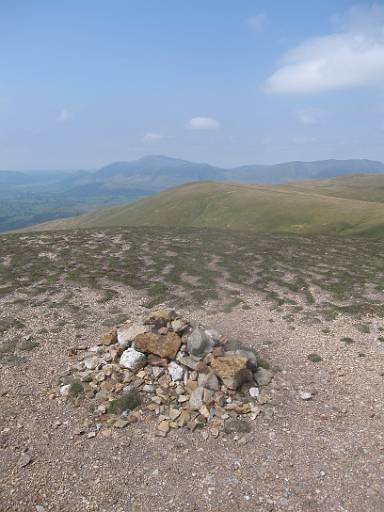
{"x": 64, "y": 115}
{"x": 152, "y": 137}
{"x": 351, "y": 57}
{"x": 203, "y": 123}
{"x": 257, "y": 23}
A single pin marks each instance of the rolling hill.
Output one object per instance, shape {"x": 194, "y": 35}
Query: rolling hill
{"x": 32, "y": 197}
{"x": 328, "y": 206}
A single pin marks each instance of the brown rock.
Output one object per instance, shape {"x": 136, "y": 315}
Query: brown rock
{"x": 109, "y": 337}
{"x": 184, "y": 418}
{"x": 164, "y": 426}
{"x": 120, "y": 423}
{"x": 232, "y": 370}
{"x": 157, "y": 361}
{"x": 161, "y": 318}
{"x": 202, "y": 367}
{"x": 160, "y": 345}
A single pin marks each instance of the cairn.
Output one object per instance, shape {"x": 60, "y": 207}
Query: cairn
{"x": 185, "y": 374}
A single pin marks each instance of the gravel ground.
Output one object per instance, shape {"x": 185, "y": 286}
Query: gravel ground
{"x": 325, "y": 454}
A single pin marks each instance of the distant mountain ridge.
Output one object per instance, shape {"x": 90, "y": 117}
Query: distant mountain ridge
{"x": 36, "y": 196}
{"x": 157, "y": 172}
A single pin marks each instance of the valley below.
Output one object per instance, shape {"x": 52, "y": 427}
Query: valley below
{"x": 312, "y": 307}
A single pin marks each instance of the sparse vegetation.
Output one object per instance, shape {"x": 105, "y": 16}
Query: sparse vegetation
{"x": 314, "y": 358}
{"x": 76, "y": 388}
{"x": 127, "y": 402}
{"x": 195, "y": 267}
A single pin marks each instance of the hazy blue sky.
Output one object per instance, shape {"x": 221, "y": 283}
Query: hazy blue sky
{"x": 87, "y": 82}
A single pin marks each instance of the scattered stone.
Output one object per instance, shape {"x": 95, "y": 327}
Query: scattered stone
{"x": 305, "y": 395}
{"x": 132, "y": 359}
{"x": 25, "y": 459}
{"x": 120, "y": 423}
{"x": 263, "y": 377}
{"x": 91, "y": 362}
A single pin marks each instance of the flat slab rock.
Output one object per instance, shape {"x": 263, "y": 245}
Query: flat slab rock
{"x": 163, "y": 345}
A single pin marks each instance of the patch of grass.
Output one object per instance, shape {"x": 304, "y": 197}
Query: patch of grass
{"x": 8, "y": 347}
{"x": 126, "y": 402}
{"x": 28, "y": 345}
{"x": 76, "y": 388}
{"x": 11, "y": 323}
{"x": 314, "y": 358}
{"x": 363, "y": 328}
{"x": 263, "y": 363}
{"x": 347, "y": 340}
{"x": 108, "y": 295}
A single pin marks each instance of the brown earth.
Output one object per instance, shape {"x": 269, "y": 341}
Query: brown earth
{"x": 321, "y": 455}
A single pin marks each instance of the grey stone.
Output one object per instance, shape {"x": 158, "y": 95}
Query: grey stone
{"x": 25, "y": 459}
{"x": 157, "y": 371}
{"x": 148, "y": 388}
{"x": 64, "y": 390}
{"x": 263, "y": 377}
{"x": 305, "y": 395}
{"x": 196, "y": 400}
{"x": 132, "y": 359}
{"x": 91, "y": 363}
{"x": 199, "y": 343}
{"x": 126, "y": 334}
{"x": 186, "y": 361}
{"x": 208, "y": 381}
{"x": 213, "y": 335}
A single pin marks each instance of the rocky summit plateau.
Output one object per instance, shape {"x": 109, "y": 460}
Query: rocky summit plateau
{"x": 167, "y": 366}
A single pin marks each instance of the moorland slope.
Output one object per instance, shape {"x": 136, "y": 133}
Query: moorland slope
{"x": 348, "y": 205}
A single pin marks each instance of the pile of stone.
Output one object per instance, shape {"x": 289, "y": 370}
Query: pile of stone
{"x": 185, "y": 374}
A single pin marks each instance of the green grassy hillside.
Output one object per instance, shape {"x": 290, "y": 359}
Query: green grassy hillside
{"x": 363, "y": 187}
{"x": 307, "y": 207}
